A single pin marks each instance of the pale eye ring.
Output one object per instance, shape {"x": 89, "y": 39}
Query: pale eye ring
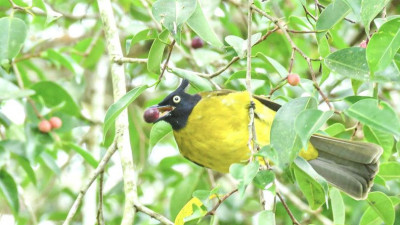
{"x": 176, "y": 99}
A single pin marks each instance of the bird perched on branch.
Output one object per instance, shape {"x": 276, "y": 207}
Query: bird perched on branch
{"x": 211, "y": 130}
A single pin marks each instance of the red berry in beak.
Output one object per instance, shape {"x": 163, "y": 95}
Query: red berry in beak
{"x": 151, "y": 115}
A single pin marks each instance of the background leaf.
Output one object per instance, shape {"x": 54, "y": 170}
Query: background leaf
{"x": 369, "y": 10}
{"x": 12, "y": 37}
{"x": 382, "y": 205}
{"x": 9, "y": 190}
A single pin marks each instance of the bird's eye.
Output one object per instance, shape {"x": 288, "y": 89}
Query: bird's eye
{"x": 176, "y": 99}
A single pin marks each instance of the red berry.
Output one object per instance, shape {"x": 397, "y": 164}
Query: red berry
{"x": 151, "y": 115}
{"x": 293, "y": 79}
{"x": 364, "y": 44}
{"x": 197, "y": 42}
{"x": 44, "y": 126}
{"x": 55, "y": 122}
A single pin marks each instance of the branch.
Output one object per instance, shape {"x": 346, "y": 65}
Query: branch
{"x": 122, "y": 60}
{"x": 121, "y": 122}
{"x": 100, "y": 168}
{"x": 287, "y": 209}
{"x": 214, "y": 209}
{"x": 170, "y": 47}
{"x": 295, "y": 48}
{"x": 301, "y": 205}
{"x": 157, "y": 216}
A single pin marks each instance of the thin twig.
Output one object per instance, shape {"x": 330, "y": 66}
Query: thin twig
{"x": 171, "y": 46}
{"x": 110, "y": 151}
{"x": 294, "y": 46}
{"x": 100, "y": 218}
{"x": 121, "y": 60}
{"x": 287, "y": 209}
{"x": 214, "y": 209}
{"x": 15, "y": 6}
{"x": 157, "y": 216}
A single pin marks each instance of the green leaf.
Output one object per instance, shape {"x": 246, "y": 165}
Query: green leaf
{"x": 349, "y": 62}
{"x": 8, "y": 188}
{"x": 240, "y": 45}
{"x": 338, "y": 207}
{"x": 117, "y": 107}
{"x": 308, "y": 122}
{"x": 237, "y": 171}
{"x": 147, "y": 34}
{"x": 26, "y": 165}
{"x": 266, "y": 218}
{"x": 50, "y": 162}
{"x": 197, "y": 82}
{"x": 312, "y": 189}
{"x": 383, "y": 45}
{"x": 284, "y": 138}
{"x": 183, "y": 193}
{"x": 4, "y": 120}
{"x": 156, "y": 52}
{"x": 158, "y": 132}
{"x": 369, "y": 10}
{"x": 335, "y": 129}
{"x": 12, "y": 37}
{"x": 383, "y": 206}
{"x": 63, "y": 60}
{"x": 172, "y": 14}
{"x": 383, "y": 139}
{"x": 378, "y": 116}
{"x": 275, "y": 64}
{"x": 269, "y": 154}
{"x": 263, "y": 178}
{"x": 250, "y": 171}
{"x": 84, "y": 153}
{"x": 389, "y": 170}
{"x": 54, "y": 95}
{"x": 370, "y": 217}
{"x": 11, "y": 91}
{"x": 199, "y": 24}
{"x": 333, "y": 13}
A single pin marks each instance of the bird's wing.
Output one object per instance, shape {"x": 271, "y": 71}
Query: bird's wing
{"x": 270, "y": 104}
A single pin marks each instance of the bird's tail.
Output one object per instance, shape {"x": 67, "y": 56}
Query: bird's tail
{"x": 348, "y": 165}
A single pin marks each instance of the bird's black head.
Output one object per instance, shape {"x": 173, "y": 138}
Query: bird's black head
{"x": 174, "y": 109}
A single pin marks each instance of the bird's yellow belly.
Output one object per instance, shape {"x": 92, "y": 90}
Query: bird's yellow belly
{"x": 216, "y": 137}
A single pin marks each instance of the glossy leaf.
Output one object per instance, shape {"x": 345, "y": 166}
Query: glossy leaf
{"x": 335, "y": 129}
{"x": 197, "y": 82}
{"x": 158, "y": 132}
{"x": 199, "y": 24}
{"x": 12, "y": 37}
{"x": 172, "y": 14}
{"x": 338, "y": 207}
{"x": 242, "y": 74}
{"x": 275, "y": 64}
{"x": 117, "y": 107}
{"x": 369, "y": 10}
{"x": 147, "y": 34}
{"x": 283, "y": 134}
{"x": 332, "y": 14}
{"x": 389, "y": 170}
{"x": 8, "y": 187}
{"x": 383, "y": 206}
{"x": 55, "y": 95}
{"x": 263, "y": 178}
{"x": 11, "y": 91}
{"x": 383, "y": 45}
{"x": 383, "y": 139}
{"x": 240, "y": 45}
{"x": 378, "y": 116}
{"x": 308, "y": 122}
{"x": 89, "y": 158}
{"x": 26, "y": 165}
{"x": 156, "y": 52}
{"x": 313, "y": 190}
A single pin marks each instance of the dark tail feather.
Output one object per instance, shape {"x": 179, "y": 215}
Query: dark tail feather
{"x": 348, "y": 165}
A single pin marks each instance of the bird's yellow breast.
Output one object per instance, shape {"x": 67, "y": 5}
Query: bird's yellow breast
{"x": 216, "y": 133}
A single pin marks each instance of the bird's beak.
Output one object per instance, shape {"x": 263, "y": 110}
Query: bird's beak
{"x": 156, "y": 113}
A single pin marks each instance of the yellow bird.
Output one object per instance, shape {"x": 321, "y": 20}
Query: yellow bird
{"x": 211, "y": 130}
